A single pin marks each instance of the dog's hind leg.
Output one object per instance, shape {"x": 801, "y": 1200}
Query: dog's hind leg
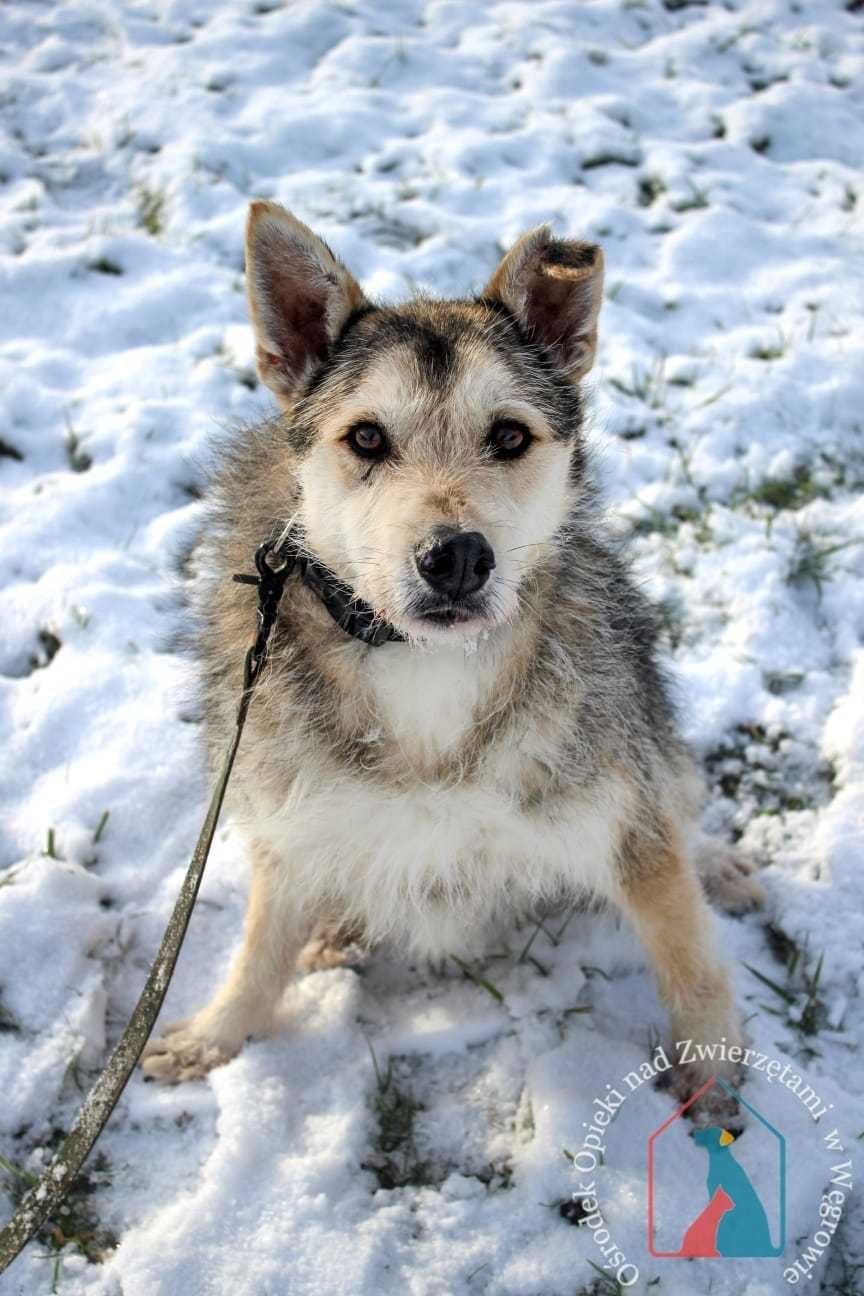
{"x": 660, "y": 893}
{"x": 727, "y": 875}
{"x": 331, "y": 944}
{"x": 246, "y": 1002}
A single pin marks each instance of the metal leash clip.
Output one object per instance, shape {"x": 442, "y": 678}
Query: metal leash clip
{"x": 270, "y": 581}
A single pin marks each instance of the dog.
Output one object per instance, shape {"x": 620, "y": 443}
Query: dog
{"x": 510, "y": 741}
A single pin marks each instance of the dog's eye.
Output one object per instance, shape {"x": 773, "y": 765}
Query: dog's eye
{"x": 508, "y": 439}
{"x": 368, "y": 441}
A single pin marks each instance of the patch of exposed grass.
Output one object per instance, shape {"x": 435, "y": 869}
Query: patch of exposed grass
{"x": 495, "y": 1176}
{"x": 696, "y": 200}
{"x": 610, "y": 157}
{"x": 769, "y": 350}
{"x": 8, "y": 451}
{"x": 79, "y": 460}
{"x": 781, "y": 682}
{"x": 76, "y": 1225}
{"x": 478, "y": 979}
{"x": 650, "y": 189}
{"x": 104, "y": 265}
{"x": 760, "y": 83}
{"x": 783, "y": 494}
{"x": 9, "y": 875}
{"x": 607, "y": 1284}
{"x": 655, "y": 522}
{"x": 811, "y": 561}
{"x": 764, "y": 773}
{"x": 9, "y": 1024}
{"x": 571, "y": 1209}
{"x": 672, "y": 617}
{"x": 801, "y": 1004}
{"x": 845, "y": 1276}
{"x": 783, "y": 947}
{"x": 399, "y": 56}
{"x": 244, "y": 374}
{"x": 646, "y": 383}
{"x": 388, "y": 230}
{"x": 151, "y": 208}
{"x": 394, "y": 1160}
{"x": 50, "y": 646}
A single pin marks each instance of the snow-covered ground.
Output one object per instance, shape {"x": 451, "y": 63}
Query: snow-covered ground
{"x": 714, "y": 150}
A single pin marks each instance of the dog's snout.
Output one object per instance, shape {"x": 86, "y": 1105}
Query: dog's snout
{"x": 457, "y": 564}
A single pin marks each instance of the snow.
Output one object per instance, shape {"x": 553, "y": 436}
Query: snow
{"x": 715, "y": 151}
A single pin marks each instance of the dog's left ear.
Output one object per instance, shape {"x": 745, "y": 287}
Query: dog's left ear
{"x": 300, "y": 295}
{"x": 554, "y": 287}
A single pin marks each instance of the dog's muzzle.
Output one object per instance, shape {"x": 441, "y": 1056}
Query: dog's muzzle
{"x": 453, "y": 566}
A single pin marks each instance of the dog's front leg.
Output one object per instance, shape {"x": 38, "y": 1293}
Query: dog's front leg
{"x": 663, "y": 898}
{"x": 245, "y": 1004}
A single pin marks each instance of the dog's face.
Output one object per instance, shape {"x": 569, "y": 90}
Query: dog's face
{"x": 437, "y": 444}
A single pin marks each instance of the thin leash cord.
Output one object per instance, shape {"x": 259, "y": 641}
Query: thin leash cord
{"x": 43, "y": 1199}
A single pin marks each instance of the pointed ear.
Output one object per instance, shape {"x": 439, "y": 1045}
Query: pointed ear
{"x": 299, "y": 297}
{"x": 554, "y": 287}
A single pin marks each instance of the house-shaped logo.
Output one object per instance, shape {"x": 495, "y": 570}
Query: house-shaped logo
{"x": 713, "y": 1196}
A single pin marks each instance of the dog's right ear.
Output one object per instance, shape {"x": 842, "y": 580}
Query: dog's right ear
{"x": 300, "y": 295}
{"x": 554, "y": 287}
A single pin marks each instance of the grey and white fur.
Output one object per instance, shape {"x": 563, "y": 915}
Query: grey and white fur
{"x": 519, "y": 748}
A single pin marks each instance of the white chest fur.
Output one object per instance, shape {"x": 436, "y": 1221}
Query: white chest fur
{"x": 429, "y": 698}
{"x": 425, "y": 861}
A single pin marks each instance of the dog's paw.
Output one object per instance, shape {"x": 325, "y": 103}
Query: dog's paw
{"x": 183, "y": 1052}
{"x": 331, "y": 945}
{"x": 728, "y": 877}
{"x": 714, "y": 1107}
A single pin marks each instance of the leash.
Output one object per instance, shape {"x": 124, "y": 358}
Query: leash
{"x": 274, "y": 565}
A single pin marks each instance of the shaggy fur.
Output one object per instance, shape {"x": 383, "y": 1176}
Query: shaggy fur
{"x": 519, "y": 748}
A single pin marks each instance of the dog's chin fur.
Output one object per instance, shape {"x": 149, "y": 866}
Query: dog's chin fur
{"x": 421, "y": 791}
{"x": 426, "y": 631}
{"x": 469, "y": 624}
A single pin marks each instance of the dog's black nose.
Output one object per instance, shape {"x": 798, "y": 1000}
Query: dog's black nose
{"x": 457, "y": 564}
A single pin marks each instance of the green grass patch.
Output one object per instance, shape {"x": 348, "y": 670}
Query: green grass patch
{"x": 150, "y": 204}
{"x": 649, "y": 190}
{"x": 812, "y": 562}
{"x": 79, "y": 459}
{"x": 764, "y": 773}
{"x": 801, "y": 1005}
{"x": 76, "y": 1225}
{"x": 478, "y": 979}
{"x": 394, "y": 1160}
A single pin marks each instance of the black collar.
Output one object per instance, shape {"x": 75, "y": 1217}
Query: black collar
{"x": 276, "y": 562}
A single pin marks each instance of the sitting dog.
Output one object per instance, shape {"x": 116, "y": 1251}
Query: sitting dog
{"x": 507, "y": 739}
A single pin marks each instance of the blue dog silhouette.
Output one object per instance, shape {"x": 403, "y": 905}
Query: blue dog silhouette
{"x": 742, "y": 1231}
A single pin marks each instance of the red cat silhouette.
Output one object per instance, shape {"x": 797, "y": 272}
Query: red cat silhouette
{"x": 701, "y": 1237}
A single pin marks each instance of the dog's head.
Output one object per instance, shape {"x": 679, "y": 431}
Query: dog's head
{"x": 437, "y": 444}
